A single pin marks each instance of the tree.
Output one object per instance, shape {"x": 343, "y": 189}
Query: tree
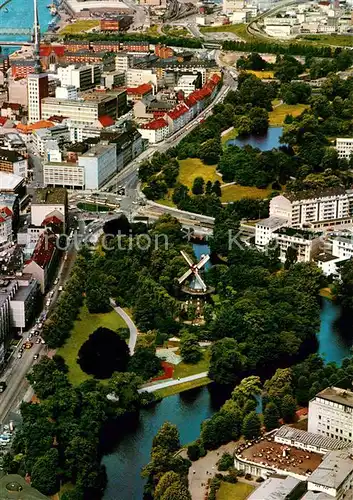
{"x": 208, "y": 189}
{"x": 251, "y": 428}
{"x": 259, "y": 120}
{"x": 226, "y": 362}
{"x": 125, "y": 387}
{"x": 216, "y": 189}
{"x": 44, "y": 474}
{"x": 279, "y": 384}
{"x": 271, "y": 416}
{"x": 167, "y": 438}
{"x": 291, "y": 256}
{"x": 302, "y": 391}
{"x": 345, "y": 288}
{"x": 165, "y": 481}
{"x": 198, "y": 185}
{"x": 118, "y": 225}
{"x": 288, "y": 408}
{"x": 248, "y": 388}
{"x": 144, "y": 362}
{"x": 103, "y": 353}
{"x": 190, "y": 350}
{"x": 177, "y": 491}
{"x": 193, "y": 451}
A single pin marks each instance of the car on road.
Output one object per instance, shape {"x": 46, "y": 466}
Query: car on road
{"x": 48, "y": 303}
{"x": 28, "y": 345}
{"x": 38, "y": 341}
{"x": 19, "y": 355}
{"x": 36, "y": 356}
{"x": 42, "y": 341}
{"x": 56, "y": 281}
{"x": 3, "y": 386}
{"x": 60, "y": 288}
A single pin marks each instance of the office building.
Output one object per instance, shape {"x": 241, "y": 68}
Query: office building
{"x": 7, "y": 291}
{"x": 187, "y": 83}
{"x": 38, "y": 89}
{"x": 66, "y": 92}
{"x": 137, "y": 76}
{"x": 122, "y": 62}
{"x": 64, "y": 174}
{"x": 47, "y": 202}
{"x": 13, "y": 162}
{"x": 324, "y": 208}
{"x": 81, "y": 112}
{"x": 344, "y": 147}
{"x": 331, "y": 414}
{"x": 82, "y": 77}
{"x": 24, "y": 302}
{"x": 99, "y": 163}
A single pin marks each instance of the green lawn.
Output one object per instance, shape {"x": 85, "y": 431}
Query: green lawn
{"x": 236, "y": 192}
{"x": 237, "y": 491}
{"x": 185, "y": 369}
{"x": 176, "y": 389}
{"x": 194, "y": 167}
{"x": 91, "y": 207}
{"x": 232, "y": 134}
{"x": 279, "y": 113}
{"x": 176, "y": 31}
{"x": 79, "y": 26}
{"x": 261, "y": 74}
{"x": 237, "y": 29}
{"x": 85, "y": 324}
{"x": 331, "y": 39}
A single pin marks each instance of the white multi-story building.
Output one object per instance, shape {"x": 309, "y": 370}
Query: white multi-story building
{"x": 334, "y": 476}
{"x": 7, "y": 291}
{"x": 344, "y": 147}
{"x": 318, "y": 209}
{"x": 37, "y": 89}
{"x": 331, "y": 414}
{"x": 79, "y": 111}
{"x": 137, "y": 76}
{"x": 63, "y": 174}
{"x": 122, "y": 62}
{"x": 81, "y": 77}
{"x": 187, "y": 83}
{"x": 155, "y": 131}
{"x": 228, "y": 6}
{"x": 265, "y": 228}
{"x": 99, "y": 164}
{"x": 66, "y": 92}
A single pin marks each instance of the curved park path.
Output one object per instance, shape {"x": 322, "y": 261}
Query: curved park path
{"x": 131, "y": 325}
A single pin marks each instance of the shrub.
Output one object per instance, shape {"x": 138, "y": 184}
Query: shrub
{"x": 225, "y": 462}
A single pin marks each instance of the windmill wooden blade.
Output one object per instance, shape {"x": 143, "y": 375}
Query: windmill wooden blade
{"x": 203, "y": 261}
{"x": 187, "y": 258}
{"x": 201, "y": 282}
{"x": 185, "y": 276}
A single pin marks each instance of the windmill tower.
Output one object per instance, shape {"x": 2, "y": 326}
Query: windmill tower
{"x": 196, "y": 285}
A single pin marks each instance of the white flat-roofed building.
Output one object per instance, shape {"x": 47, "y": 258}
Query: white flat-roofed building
{"x": 99, "y": 164}
{"x": 334, "y": 476}
{"x": 344, "y": 146}
{"x": 307, "y": 441}
{"x": 63, "y": 174}
{"x": 79, "y": 111}
{"x": 66, "y": 92}
{"x": 187, "y": 83}
{"x": 122, "y": 62}
{"x": 331, "y": 414}
{"x": 306, "y": 243}
{"x": 137, "y": 76}
{"x": 265, "y": 228}
{"x": 278, "y": 487}
{"x": 316, "y": 209}
{"x": 81, "y": 77}
{"x": 23, "y": 303}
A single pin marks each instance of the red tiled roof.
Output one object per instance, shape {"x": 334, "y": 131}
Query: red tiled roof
{"x": 106, "y": 121}
{"x": 178, "y": 111}
{"x": 56, "y": 118}
{"x": 6, "y": 210}
{"x": 11, "y": 105}
{"x": 145, "y": 88}
{"x": 52, "y": 220}
{"x": 44, "y": 249}
{"x": 2, "y": 219}
{"x": 155, "y": 124}
{"x": 3, "y": 120}
{"x": 46, "y": 50}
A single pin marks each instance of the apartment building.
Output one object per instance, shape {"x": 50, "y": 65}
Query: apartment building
{"x": 122, "y": 62}
{"x": 6, "y": 233}
{"x": 99, "y": 164}
{"x": 24, "y": 302}
{"x": 64, "y": 174}
{"x": 155, "y": 130}
{"x": 331, "y": 414}
{"x": 82, "y": 77}
{"x": 144, "y": 91}
{"x": 344, "y": 147}
{"x": 43, "y": 138}
{"x": 7, "y": 291}
{"x": 118, "y": 23}
{"x": 187, "y": 83}
{"x": 43, "y": 262}
{"x": 322, "y": 208}
{"x": 13, "y": 162}
{"x": 21, "y": 68}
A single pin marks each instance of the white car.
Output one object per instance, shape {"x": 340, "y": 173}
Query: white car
{"x": 19, "y": 355}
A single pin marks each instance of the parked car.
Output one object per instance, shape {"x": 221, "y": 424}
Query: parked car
{"x": 28, "y": 345}
{"x": 36, "y": 356}
{"x": 19, "y": 355}
{"x": 38, "y": 341}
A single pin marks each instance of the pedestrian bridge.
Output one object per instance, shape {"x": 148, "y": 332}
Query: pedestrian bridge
{"x": 15, "y": 31}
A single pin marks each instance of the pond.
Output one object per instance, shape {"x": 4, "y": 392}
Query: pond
{"x": 264, "y": 142}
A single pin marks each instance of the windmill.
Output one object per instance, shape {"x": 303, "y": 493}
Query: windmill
{"x": 197, "y": 284}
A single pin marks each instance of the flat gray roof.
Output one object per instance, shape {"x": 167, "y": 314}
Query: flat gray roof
{"x": 334, "y": 469}
{"x": 336, "y": 395}
{"x": 275, "y": 488}
{"x": 273, "y": 221}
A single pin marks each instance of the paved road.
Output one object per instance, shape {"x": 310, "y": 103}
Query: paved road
{"x": 170, "y": 383}
{"x": 130, "y": 324}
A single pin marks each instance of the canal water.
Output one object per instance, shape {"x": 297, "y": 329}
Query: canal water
{"x": 264, "y": 142}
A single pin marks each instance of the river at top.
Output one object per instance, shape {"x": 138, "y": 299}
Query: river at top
{"x": 19, "y": 14}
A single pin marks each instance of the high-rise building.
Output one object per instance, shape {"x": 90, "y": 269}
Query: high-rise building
{"x": 37, "y": 83}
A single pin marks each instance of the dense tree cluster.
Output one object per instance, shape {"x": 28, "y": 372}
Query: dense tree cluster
{"x": 59, "y": 440}
{"x": 166, "y": 472}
